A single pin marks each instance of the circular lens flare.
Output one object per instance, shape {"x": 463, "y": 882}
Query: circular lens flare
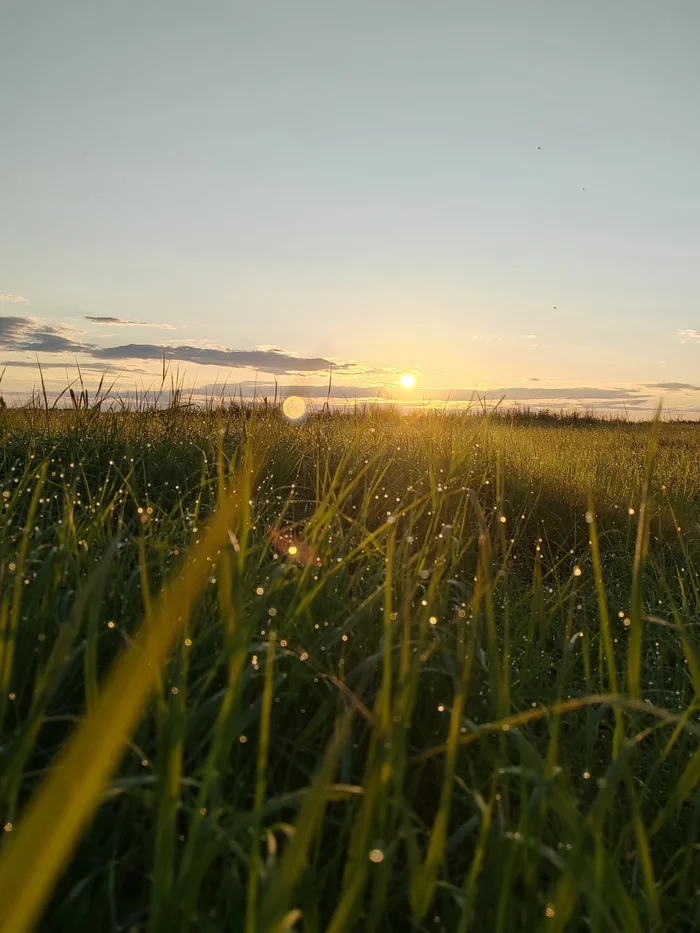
{"x": 408, "y": 381}
{"x": 294, "y": 408}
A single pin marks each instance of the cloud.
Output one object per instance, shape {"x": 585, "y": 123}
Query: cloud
{"x": 269, "y": 361}
{"x": 360, "y": 392}
{"x": 32, "y": 364}
{"x": 260, "y": 390}
{"x": 22, "y": 334}
{"x": 30, "y": 334}
{"x": 537, "y": 393}
{"x": 70, "y": 366}
{"x": 689, "y": 335}
{"x": 122, "y": 322}
{"x": 13, "y": 299}
{"x": 672, "y": 386}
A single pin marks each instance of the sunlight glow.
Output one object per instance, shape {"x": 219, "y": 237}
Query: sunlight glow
{"x": 408, "y": 380}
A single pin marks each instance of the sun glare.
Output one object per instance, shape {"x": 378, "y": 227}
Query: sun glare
{"x": 408, "y": 380}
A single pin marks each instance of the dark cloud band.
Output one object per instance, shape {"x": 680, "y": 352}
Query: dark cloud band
{"x": 29, "y": 334}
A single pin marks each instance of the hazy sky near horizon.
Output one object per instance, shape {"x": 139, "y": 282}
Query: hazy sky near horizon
{"x": 500, "y": 194}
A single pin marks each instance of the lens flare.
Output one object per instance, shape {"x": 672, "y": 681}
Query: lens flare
{"x": 294, "y": 408}
{"x": 408, "y": 380}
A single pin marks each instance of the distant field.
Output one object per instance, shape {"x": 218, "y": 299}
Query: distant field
{"x": 431, "y": 672}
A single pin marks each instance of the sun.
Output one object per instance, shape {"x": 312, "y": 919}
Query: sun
{"x": 408, "y": 380}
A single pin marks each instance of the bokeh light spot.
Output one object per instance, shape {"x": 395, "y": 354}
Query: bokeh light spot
{"x": 294, "y": 408}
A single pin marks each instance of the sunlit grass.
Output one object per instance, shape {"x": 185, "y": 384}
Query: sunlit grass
{"x": 359, "y": 671}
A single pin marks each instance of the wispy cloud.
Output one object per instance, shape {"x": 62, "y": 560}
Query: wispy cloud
{"x": 541, "y": 393}
{"x": 672, "y": 386}
{"x": 123, "y": 322}
{"x": 13, "y": 299}
{"x": 688, "y": 335}
{"x": 248, "y": 389}
{"x": 71, "y": 367}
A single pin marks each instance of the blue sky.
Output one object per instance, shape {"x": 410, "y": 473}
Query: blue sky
{"x": 501, "y": 195}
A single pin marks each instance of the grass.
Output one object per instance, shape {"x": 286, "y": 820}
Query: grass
{"x": 372, "y": 672}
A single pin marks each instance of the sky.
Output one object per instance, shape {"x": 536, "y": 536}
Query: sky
{"x": 497, "y": 196}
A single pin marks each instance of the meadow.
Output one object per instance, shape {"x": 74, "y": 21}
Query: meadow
{"x": 371, "y": 671}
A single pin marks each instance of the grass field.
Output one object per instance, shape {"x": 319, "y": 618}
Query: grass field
{"x": 371, "y": 672}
